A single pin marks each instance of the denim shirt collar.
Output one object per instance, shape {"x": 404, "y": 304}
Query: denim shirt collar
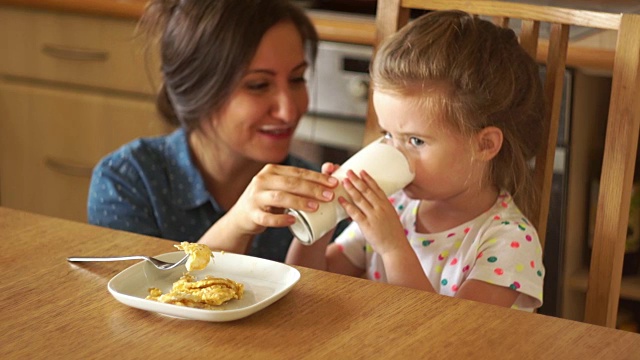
{"x": 182, "y": 170}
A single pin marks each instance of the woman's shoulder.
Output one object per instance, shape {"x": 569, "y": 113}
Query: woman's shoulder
{"x": 143, "y": 155}
{"x": 142, "y": 152}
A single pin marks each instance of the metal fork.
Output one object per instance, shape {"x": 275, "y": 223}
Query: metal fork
{"x": 162, "y": 265}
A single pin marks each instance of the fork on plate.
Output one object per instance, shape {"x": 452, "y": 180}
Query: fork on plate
{"x": 162, "y": 265}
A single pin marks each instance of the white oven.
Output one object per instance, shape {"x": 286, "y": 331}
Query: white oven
{"x": 338, "y": 97}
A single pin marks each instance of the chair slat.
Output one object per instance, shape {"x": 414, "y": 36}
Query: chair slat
{"x": 616, "y": 180}
{"x": 595, "y": 19}
{"x": 501, "y": 21}
{"x": 554, "y": 82}
{"x": 529, "y": 35}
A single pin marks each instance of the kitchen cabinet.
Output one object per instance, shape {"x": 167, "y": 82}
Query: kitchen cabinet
{"x": 72, "y": 89}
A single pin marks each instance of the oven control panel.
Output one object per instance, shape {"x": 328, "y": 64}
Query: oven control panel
{"x": 339, "y": 86}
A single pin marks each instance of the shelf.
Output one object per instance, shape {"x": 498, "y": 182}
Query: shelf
{"x": 629, "y": 289}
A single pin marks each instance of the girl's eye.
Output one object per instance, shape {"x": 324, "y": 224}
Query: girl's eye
{"x": 415, "y": 141}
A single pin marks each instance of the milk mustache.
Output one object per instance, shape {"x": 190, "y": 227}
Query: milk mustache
{"x": 387, "y": 165}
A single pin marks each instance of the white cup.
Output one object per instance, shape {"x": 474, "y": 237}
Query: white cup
{"x": 387, "y": 165}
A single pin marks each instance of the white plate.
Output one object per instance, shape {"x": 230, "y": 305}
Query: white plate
{"x": 265, "y": 282}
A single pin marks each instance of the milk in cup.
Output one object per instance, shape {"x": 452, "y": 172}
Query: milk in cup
{"x": 387, "y": 165}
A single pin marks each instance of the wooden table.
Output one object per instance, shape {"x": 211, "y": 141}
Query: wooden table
{"x": 54, "y": 309}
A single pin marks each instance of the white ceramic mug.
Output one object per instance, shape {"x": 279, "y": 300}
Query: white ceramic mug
{"x": 387, "y": 165}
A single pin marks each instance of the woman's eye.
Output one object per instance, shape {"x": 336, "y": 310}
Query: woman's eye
{"x": 415, "y": 141}
{"x": 257, "y": 86}
{"x": 299, "y": 80}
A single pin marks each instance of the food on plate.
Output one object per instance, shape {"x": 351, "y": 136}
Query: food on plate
{"x": 199, "y": 255}
{"x": 208, "y": 293}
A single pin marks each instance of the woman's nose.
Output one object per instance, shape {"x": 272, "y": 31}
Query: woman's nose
{"x": 286, "y": 107}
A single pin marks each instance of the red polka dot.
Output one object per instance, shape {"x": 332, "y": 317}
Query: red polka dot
{"x": 479, "y": 255}
{"x": 454, "y": 287}
{"x": 406, "y": 232}
{"x": 450, "y": 235}
{"x": 340, "y": 247}
{"x": 392, "y": 200}
{"x": 498, "y": 271}
{"x": 454, "y": 261}
{"x": 376, "y": 275}
{"x": 528, "y": 237}
{"x": 465, "y": 269}
{"x": 533, "y": 264}
{"x": 466, "y": 231}
{"x": 497, "y": 217}
{"x": 515, "y": 244}
{"x": 504, "y": 204}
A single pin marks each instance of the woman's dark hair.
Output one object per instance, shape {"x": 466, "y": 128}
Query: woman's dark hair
{"x": 206, "y": 46}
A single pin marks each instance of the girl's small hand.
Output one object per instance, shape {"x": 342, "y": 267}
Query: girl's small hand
{"x": 329, "y": 168}
{"x": 275, "y": 188}
{"x": 374, "y": 213}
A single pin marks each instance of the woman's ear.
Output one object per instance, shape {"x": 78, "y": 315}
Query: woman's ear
{"x": 489, "y": 142}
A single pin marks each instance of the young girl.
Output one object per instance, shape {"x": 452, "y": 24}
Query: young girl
{"x": 464, "y": 101}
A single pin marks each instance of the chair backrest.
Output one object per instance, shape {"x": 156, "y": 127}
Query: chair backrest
{"x": 623, "y": 124}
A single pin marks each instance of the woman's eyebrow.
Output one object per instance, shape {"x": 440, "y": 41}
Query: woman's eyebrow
{"x": 300, "y": 66}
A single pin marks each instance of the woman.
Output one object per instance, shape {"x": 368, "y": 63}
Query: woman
{"x": 233, "y": 74}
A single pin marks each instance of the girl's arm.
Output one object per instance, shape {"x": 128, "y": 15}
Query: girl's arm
{"x": 487, "y": 293}
{"x": 321, "y": 256}
{"x": 371, "y": 210}
{"x": 312, "y": 256}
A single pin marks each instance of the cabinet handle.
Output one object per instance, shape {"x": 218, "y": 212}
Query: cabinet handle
{"x": 67, "y": 168}
{"x": 71, "y": 53}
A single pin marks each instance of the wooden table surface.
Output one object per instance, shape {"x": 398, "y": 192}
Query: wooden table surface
{"x": 54, "y": 309}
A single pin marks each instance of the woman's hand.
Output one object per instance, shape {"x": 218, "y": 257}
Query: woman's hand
{"x": 276, "y": 188}
{"x": 262, "y": 205}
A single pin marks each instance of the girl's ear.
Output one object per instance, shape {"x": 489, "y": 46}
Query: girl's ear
{"x": 489, "y": 142}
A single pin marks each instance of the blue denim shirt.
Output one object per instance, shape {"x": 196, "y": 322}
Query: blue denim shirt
{"x": 151, "y": 186}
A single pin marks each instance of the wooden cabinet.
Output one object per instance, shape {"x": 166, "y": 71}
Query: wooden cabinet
{"x": 72, "y": 89}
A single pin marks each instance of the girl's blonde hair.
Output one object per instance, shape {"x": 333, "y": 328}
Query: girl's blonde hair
{"x": 483, "y": 77}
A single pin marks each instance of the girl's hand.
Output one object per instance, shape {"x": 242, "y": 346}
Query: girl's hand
{"x": 374, "y": 213}
{"x": 275, "y": 188}
{"x": 380, "y": 225}
{"x": 329, "y": 168}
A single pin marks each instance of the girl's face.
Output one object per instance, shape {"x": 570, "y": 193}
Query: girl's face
{"x": 443, "y": 159}
{"x": 262, "y": 113}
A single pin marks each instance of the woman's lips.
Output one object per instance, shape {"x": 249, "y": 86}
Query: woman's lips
{"x": 277, "y": 132}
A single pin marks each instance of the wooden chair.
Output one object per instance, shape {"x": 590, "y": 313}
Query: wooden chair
{"x": 623, "y": 124}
